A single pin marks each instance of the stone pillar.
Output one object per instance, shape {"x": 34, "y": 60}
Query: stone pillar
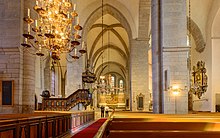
{"x": 28, "y": 92}
{"x": 175, "y": 54}
{"x": 139, "y": 73}
{"x": 157, "y": 73}
{"x": 74, "y": 76}
{"x": 47, "y": 74}
{"x": 28, "y": 83}
{"x": 139, "y": 58}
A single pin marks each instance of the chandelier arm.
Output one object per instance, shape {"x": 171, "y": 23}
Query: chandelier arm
{"x": 25, "y": 49}
{"x": 29, "y": 51}
{"x": 45, "y": 58}
{"x": 69, "y": 60}
{"x": 32, "y": 45}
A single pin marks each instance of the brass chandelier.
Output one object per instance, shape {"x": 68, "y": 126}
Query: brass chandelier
{"x": 55, "y": 29}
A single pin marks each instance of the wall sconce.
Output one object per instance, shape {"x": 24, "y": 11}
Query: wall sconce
{"x": 175, "y": 91}
{"x": 199, "y": 79}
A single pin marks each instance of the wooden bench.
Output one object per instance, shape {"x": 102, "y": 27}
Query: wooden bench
{"x": 162, "y": 128}
{"x": 163, "y": 134}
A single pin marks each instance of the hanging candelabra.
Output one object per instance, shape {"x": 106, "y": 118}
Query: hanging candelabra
{"x": 55, "y": 30}
{"x": 88, "y": 76}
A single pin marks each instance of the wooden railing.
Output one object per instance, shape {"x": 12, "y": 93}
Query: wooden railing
{"x": 42, "y": 124}
{"x": 81, "y": 118}
{"x": 34, "y": 125}
{"x": 65, "y": 104}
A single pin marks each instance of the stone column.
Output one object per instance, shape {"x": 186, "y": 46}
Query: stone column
{"x": 139, "y": 58}
{"x": 139, "y": 73}
{"x": 157, "y": 73}
{"x": 74, "y": 76}
{"x": 28, "y": 71}
{"x": 175, "y": 54}
{"x": 28, "y": 83}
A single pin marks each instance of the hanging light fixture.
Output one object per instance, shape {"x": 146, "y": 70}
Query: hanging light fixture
{"x": 102, "y": 77}
{"x": 88, "y": 76}
{"x": 104, "y": 83}
{"x": 55, "y": 30}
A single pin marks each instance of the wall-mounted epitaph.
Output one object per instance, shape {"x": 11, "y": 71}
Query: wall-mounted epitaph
{"x": 140, "y": 101}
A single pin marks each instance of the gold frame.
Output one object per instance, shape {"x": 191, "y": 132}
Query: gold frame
{"x": 199, "y": 79}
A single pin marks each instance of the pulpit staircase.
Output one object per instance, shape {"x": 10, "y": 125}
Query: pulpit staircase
{"x": 65, "y": 104}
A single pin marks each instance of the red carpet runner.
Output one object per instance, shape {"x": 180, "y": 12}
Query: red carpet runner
{"x": 91, "y": 130}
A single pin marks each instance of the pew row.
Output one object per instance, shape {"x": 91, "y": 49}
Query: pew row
{"x": 162, "y": 127}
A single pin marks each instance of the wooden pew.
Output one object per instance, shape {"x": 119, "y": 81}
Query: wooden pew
{"x": 162, "y": 128}
{"x": 202, "y": 126}
{"x": 163, "y": 134}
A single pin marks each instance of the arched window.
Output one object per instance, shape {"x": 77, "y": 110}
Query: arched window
{"x": 112, "y": 83}
{"x": 121, "y": 85}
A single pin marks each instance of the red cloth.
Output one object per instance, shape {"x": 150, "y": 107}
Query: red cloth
{"x": 90, "y": 131}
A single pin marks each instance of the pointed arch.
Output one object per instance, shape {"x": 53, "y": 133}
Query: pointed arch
{"x": 108, "y": 9}
{"x": 197, "y": 35}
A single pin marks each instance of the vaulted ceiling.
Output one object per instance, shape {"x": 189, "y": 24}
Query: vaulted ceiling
{"x": 108, "y": 46}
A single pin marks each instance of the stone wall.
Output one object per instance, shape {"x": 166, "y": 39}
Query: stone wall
{"x": 10, "y": 70}
{"x": 10, "y": 55}
{"x": 16, "y": 65}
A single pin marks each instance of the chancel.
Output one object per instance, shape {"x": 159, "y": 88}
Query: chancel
{"x": 109, "y": 68}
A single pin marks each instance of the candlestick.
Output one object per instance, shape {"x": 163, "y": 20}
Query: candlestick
{"x": 36, "y": 2}
{"x": 29, "y": 28}
{"x": 25, "y": 40}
